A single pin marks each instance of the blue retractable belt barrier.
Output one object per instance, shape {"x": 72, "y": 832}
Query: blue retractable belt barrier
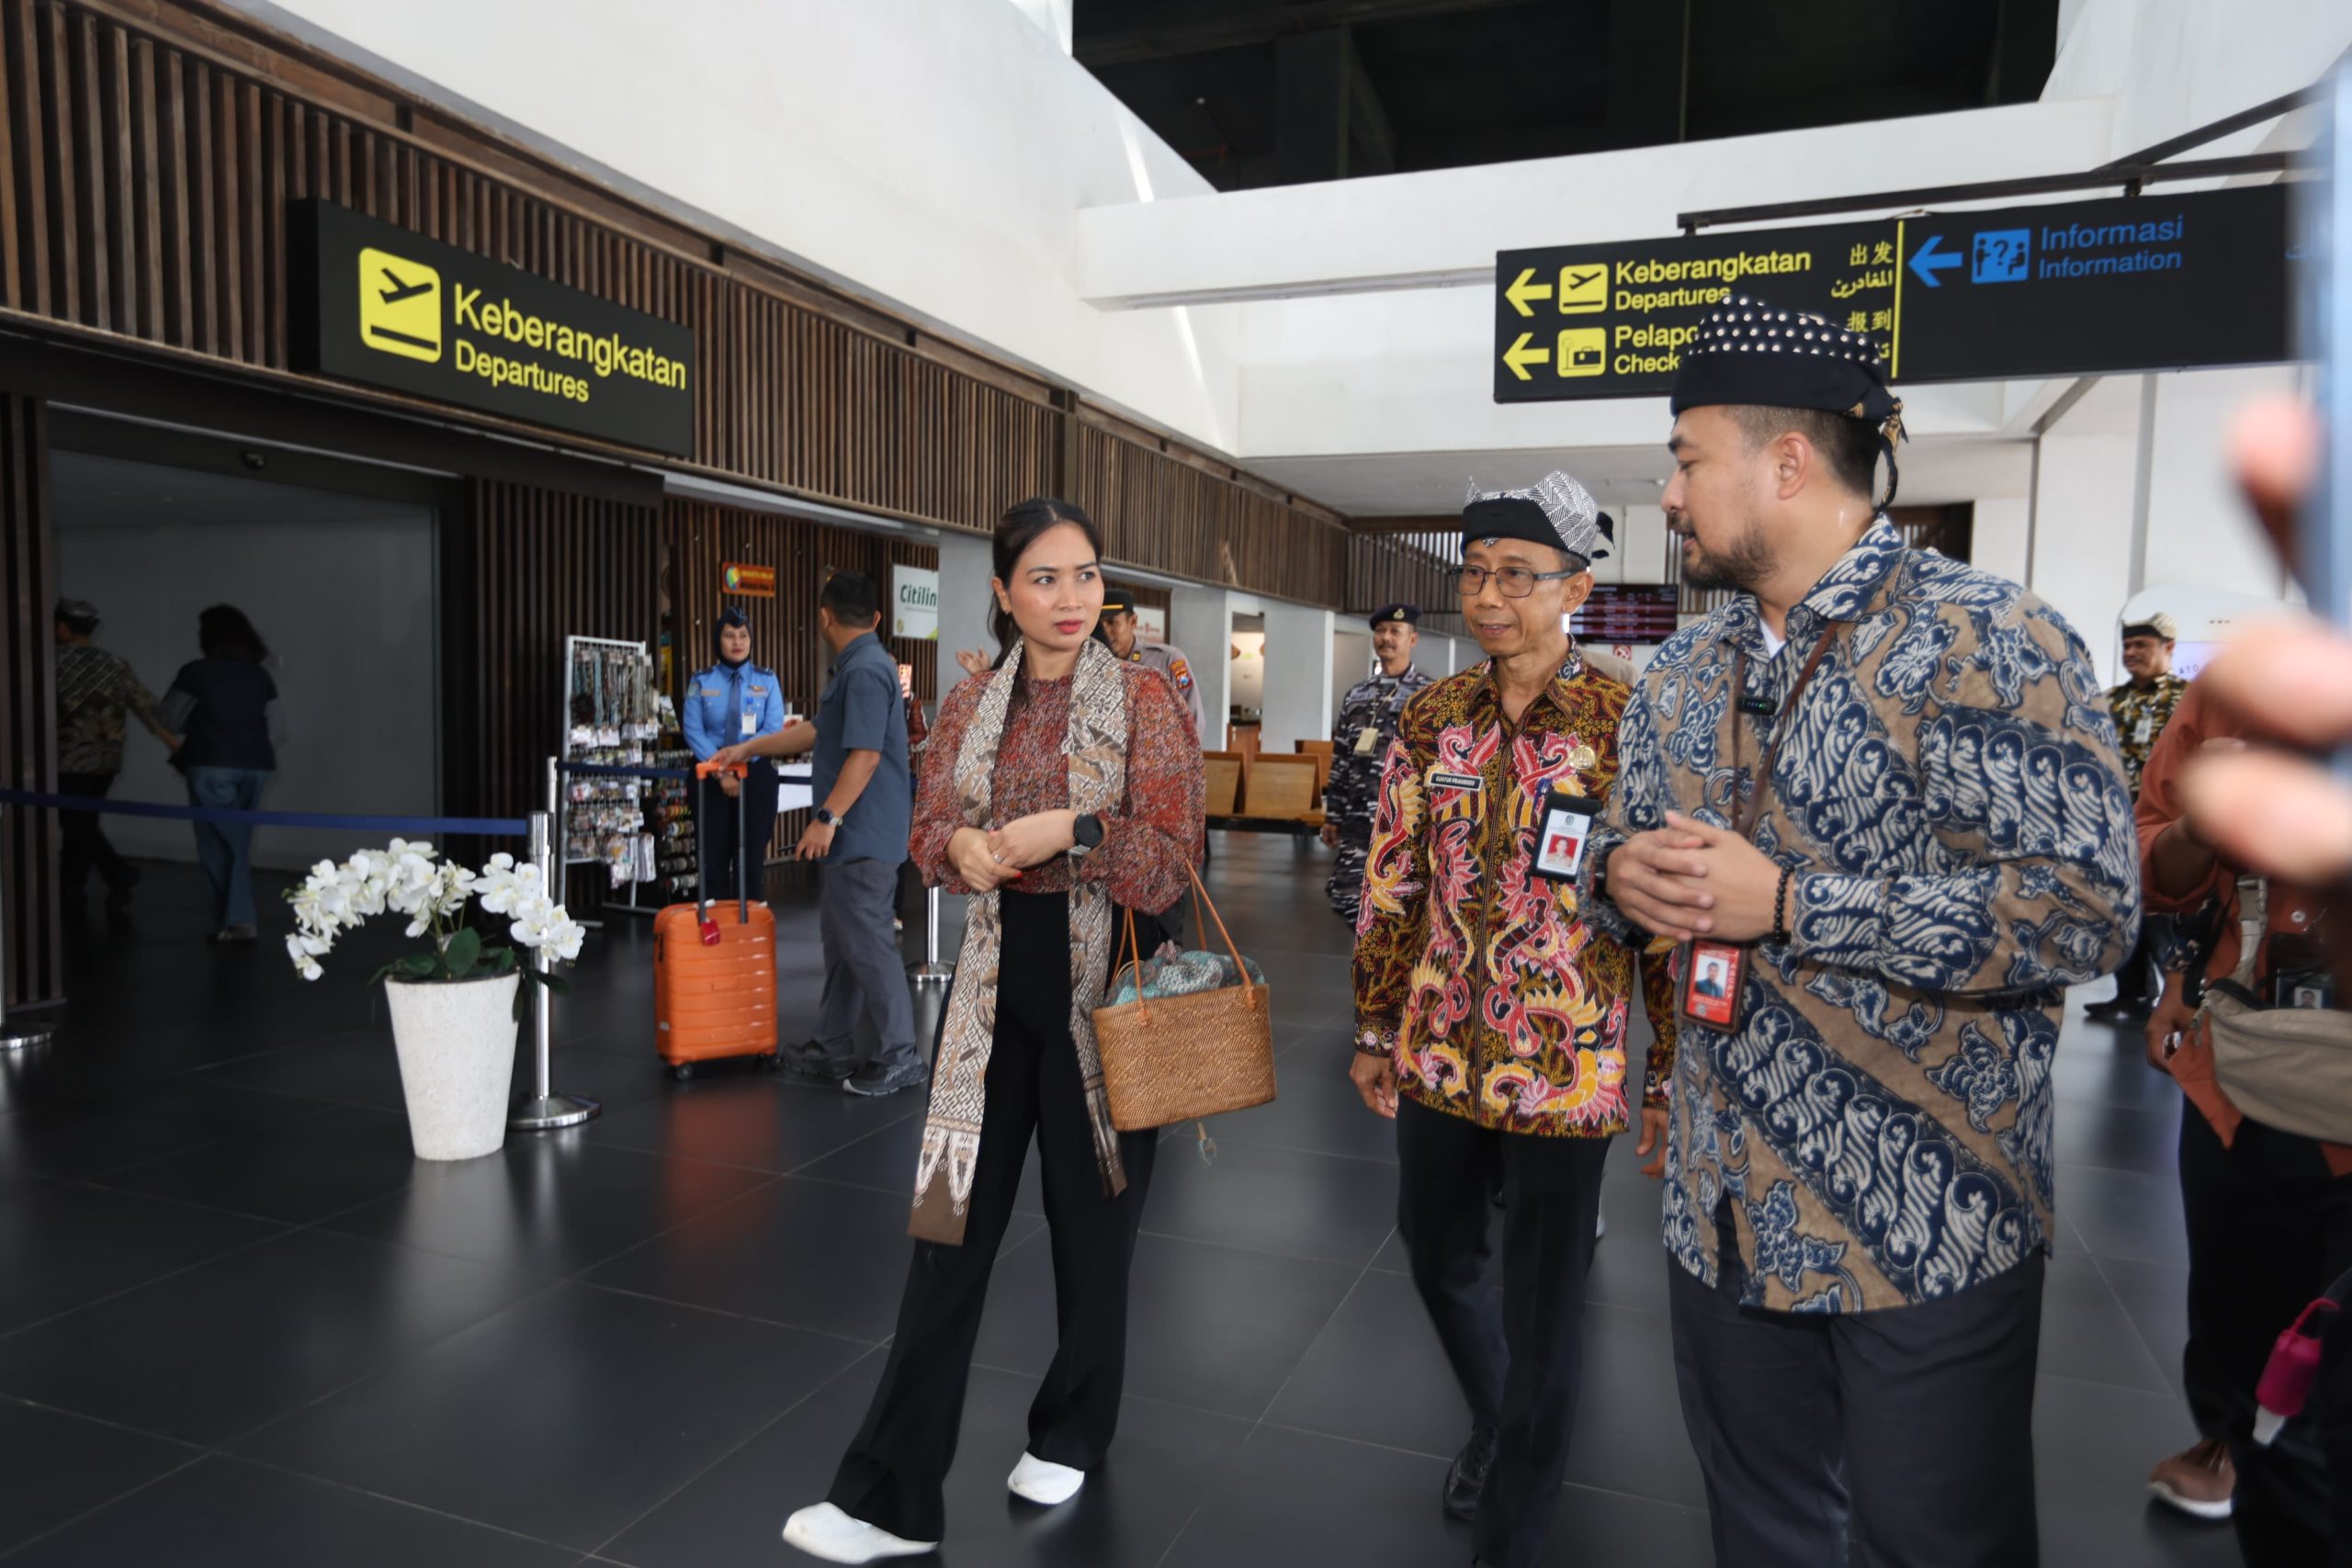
{"x": 329, "y": 820}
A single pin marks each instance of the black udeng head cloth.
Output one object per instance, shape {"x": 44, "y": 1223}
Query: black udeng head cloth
{"x": 1554, "y": 510}
{"x": 1750, "y": 353}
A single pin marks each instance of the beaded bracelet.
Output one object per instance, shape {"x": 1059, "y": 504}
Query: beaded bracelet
{"x": 1780, "y": 908}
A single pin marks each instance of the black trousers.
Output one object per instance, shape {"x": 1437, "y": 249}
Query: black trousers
{"x": 1907, "y": 1432}
{"x": 2269, "y": 1228}
{"x": 1517, "y": 1360}
{"x": 2139, "y": 980}
{"x": 714, "y": 822}
{"x": 895, "y": 1472}
{"x": 86, "y": 848}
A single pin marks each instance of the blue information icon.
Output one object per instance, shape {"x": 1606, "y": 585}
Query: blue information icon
{"x": 2001, "y": 255}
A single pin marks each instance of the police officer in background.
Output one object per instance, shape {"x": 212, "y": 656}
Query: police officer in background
{"x": 1117, "y": 629}
{"x": 733, "y": 701}
{"x": 1367, "y": 723}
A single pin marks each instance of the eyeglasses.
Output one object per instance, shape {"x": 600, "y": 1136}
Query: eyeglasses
{"x": 1516, "y": 582}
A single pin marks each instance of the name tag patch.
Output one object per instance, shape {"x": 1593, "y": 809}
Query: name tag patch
{"x": 1442, "y": 780}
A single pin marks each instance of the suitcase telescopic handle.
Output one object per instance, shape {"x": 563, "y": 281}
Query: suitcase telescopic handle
{"x": 742, "y": 850}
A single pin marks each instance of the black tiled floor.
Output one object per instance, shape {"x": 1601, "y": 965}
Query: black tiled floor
{"x": 60, "y": 1466}
{"x": 649, "y": 1394}
{"x": 68, "y": 1245}
{"x": 555, "y": 1204}
{"x": 220, "y": 1513}
{"x": 216, "y": 1351}
{"x": 240, "y": 1325}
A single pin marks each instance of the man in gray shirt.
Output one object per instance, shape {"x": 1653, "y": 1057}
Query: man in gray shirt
{"x": 864, "y": 796}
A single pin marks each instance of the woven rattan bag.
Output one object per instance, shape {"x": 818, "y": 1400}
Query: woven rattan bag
{"x": 1170, "y": 1059}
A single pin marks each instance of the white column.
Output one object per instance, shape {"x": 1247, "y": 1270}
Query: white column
{"x": 1199, "y": 622}
{"x": 1298, "y": 675}
{"x": 1997, "y": 538}
{"x": 1640, "y": 551}
{"x": 2082, "y": 534}
{"x": 964, "y": 602}
{"x": 2134, "y": 502}
{"x": 2197, "y": 531}
{"x": 1351, "y": 662}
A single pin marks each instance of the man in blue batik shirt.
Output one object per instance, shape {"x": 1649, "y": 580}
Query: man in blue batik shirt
{"x": 1888, "y": 785}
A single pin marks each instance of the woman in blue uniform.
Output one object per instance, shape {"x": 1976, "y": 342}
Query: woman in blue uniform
{"x": 733, "y": 700}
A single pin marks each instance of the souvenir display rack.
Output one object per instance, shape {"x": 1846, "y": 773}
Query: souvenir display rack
{"x": 610, "y": 717}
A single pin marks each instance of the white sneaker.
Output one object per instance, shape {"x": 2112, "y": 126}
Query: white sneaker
{"x": 824, "y": 1531}
{"x": 1045, "y": 1483}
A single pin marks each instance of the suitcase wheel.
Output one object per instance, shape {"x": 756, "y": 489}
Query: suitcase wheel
{"x": 682, "y": 1071}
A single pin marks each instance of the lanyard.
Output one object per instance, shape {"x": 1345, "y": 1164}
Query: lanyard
{"x": 1747, "y": 813}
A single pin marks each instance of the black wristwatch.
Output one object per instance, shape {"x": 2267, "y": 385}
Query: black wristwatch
{"x": 826, "y": 818}
{"x": 1086, "y": 835}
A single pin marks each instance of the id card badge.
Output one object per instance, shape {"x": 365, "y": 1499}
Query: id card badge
{"x": 1367, "y": 740}
{"x": 751, "y": 723}
{"x": 1714, "y": 990}
{"x": 1561, "y": 835}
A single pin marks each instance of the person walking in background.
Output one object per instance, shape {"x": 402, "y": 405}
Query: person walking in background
{"x": 1059, "y": 787}
{"x": 1360, "y": 743}
{"x": 863, "y": 814}
{"x": 730, "y": 702}
{"x": 2142, "y": 706}
{"x": 94, "y": 689}
{"x": 225, "y": 706}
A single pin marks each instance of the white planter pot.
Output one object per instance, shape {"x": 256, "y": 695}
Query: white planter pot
{"x": 457, "y": 1048}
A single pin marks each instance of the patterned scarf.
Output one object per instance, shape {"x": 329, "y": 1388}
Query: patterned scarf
{"x": 1096, "y": 744}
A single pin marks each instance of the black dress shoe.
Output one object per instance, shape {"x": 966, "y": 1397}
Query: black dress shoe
{"x": 1467, "y": 1478}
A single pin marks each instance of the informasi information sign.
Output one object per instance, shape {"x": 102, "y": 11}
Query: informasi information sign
{"x": 2135, "y": 282}
{"x": 380, "y": 304}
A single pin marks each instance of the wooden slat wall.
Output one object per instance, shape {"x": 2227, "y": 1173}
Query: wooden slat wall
{"x": 143, "y": 193}
{"x": 1384, "y": 569}
{"x": 699, "y": 537}
{"x": 33, "y": 958}
{"x": 1161, "y": 511}
{"x": 544, "y": 565}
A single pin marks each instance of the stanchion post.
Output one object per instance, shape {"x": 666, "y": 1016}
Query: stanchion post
{"x": 543, "y": 1109}
{"x": 932, "y": 972}
{"x": 14, "y": 1036}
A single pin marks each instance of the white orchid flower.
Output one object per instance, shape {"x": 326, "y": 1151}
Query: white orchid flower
{"x": 304, "y": 964}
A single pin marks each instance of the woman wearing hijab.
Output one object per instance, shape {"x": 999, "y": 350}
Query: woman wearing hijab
{"x": 733, "y": 700}
{"x": 1057, "y": 787}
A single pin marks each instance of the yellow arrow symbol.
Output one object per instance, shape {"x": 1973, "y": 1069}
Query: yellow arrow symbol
{"x": 1518, "y": 356}
{"x": 1521, "y": 291}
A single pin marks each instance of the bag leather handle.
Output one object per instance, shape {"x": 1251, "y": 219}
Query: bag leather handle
{"x": 1132, "y": 949}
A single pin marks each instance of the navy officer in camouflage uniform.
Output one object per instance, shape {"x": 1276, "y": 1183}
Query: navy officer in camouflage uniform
{"x": 1367, "y": 723}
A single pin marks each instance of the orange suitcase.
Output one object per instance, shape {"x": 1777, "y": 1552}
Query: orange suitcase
{"x": 714, "y": 972}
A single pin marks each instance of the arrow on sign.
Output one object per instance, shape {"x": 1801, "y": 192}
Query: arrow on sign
{"x": 1928, "y": 261}
{"x": 1521, "y": 291}
{"x": 1518, "y": 356}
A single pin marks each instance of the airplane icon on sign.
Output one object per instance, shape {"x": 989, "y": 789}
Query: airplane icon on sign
{"x": 401, "y": 289}
{"x": 400, "y": 306}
